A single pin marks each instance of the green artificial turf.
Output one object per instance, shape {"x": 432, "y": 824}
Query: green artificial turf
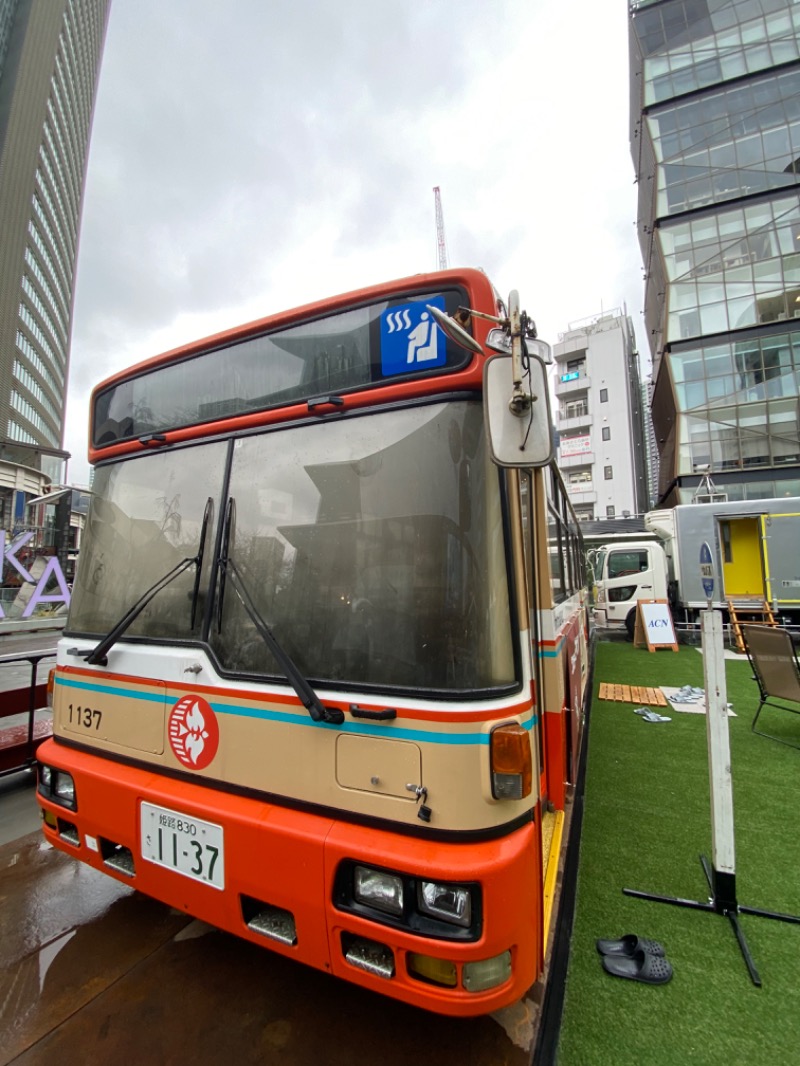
{"x": 646, "y": 821}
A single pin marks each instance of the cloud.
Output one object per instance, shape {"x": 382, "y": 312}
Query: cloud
{"x": 248, "y": 157}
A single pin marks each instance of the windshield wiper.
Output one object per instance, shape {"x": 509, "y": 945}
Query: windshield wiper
{"x": 98, "y": 656}
{"x": 196, "y": 590}
{"x": 306, "y": 694}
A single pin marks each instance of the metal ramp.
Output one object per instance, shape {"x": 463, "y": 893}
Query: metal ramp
{"x": 748, "y": 611}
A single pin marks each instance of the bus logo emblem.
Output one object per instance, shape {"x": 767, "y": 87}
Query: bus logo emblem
{"x": 193, "y": 732}
{"x": 410, "y": 339}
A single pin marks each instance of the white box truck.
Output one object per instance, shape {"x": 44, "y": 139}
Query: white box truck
{"x": 755, "y": 547}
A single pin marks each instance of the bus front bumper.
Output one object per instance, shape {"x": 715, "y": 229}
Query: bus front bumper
{"x": 278, "y": 877}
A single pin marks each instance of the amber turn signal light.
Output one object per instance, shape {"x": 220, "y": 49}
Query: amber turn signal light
{"x": 512, "y": 763}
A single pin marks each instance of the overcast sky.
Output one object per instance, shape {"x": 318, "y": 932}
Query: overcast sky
{"x": 250, "y": 156}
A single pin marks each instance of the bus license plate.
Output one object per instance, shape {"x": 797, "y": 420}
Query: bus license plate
{"x": 183, "y": 843}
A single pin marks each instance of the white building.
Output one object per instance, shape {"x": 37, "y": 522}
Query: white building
{"x": 598, "y": 413}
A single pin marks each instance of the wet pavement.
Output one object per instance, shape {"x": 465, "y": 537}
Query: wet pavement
{"x": 93, "y": 972}
{"x": 19, "y": 811}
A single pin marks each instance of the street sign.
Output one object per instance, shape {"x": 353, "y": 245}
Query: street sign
{"x": 707, "y": 569}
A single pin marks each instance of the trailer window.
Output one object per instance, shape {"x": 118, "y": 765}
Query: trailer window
{"x": 727, "y": 549}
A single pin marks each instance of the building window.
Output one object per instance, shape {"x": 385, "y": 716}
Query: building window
{"x": 604, "y": 396}
{"x": 608, "y": 472}
{"x": 610, "y": 512}
{"x": 606, "y": 432}
{"x": 576, "y": 409}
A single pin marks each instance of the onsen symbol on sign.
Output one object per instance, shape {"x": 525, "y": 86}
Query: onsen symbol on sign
{"x": 193, "y": 732}
{"x": 410, "y": 339}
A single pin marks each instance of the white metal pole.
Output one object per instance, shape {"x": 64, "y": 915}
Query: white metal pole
{"x": 719, "y": 748}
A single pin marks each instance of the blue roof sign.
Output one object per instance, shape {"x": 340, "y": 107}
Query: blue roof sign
{"x": 410, "y": 339}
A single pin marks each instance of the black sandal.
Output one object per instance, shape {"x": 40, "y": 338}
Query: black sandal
{"x": 650, "y": 969}
{"x": 628, "y": 945}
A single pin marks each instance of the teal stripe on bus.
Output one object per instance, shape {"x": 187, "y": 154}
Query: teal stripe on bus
{"x": 554, "y": 651}
{"x": 287, "y": 718}
{"x": 110, "y": 690}
{"x": 398, "y": 732}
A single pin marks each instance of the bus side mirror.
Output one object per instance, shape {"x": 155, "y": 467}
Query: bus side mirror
{"x": 521, "y": 437}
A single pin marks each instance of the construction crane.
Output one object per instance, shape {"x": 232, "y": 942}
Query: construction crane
{"x": 441, "y": 247}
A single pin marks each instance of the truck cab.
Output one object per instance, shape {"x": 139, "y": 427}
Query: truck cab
{"x": 625, "y": 573}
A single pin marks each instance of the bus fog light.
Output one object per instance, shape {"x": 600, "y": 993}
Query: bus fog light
{"x": 452, "y": 903}
{"x": 437, "y": 971}
{"x": 478, "y": 976}
{"x": 378, "y": 889}
{"x": 64, "y": 790}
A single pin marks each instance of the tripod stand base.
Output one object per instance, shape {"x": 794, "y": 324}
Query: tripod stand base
{"x": 722, "y": 901}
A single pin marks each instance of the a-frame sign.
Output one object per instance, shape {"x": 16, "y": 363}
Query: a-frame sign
{"x": 654, "y": 625}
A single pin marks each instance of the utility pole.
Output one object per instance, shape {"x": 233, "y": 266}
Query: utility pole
{"x": 441, "y": 247}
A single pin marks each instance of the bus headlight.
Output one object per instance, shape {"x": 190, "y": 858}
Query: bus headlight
{"x": 64, "y": 790}
{"x": 444, "y": 910}
{"x": 512, "y": 763}
{"x": 58, "y": 786}
{"x": 451, "y": 903}
{"x": 378, "y": 889}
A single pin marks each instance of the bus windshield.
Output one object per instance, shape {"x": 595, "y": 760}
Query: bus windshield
{"x": 371, "y": 563}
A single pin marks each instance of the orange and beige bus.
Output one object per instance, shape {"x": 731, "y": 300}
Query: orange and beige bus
{"x": 322, "y": 680}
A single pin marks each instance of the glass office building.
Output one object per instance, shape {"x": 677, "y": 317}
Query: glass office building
{"x": 715, "y": 137}
{"x": 50, "y": 54}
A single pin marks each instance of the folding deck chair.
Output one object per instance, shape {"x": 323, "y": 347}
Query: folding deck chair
{"x": 776, "y": 669}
